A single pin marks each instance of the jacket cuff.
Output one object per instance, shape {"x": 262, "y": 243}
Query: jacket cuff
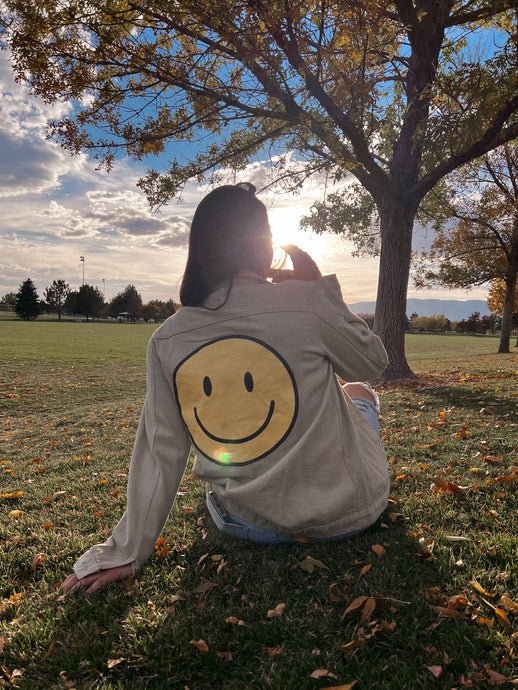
{"x": 86, "y": 565}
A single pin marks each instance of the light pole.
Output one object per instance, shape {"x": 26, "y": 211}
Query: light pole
{"x": 104, "y": 287}
{"x": 83, "y": 262}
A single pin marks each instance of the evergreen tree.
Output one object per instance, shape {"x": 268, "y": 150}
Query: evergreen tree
{"x": 27, "y": 301}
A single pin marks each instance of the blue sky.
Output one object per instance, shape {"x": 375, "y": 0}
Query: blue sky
{"x": 55, "y": 208}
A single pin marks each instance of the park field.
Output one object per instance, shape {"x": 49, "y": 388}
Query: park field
{"x": 427, "y": 598}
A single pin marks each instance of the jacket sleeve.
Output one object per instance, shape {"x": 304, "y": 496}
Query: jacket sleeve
{"x": 157, "y": 466}
{"x": 357, "y": 354}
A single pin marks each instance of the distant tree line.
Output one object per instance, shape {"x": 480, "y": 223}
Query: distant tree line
{"x": 438, "y": 323}
{"x": 87, "y": 302}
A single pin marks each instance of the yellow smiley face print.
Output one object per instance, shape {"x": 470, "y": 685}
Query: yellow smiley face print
{"x": 238, "y": 399}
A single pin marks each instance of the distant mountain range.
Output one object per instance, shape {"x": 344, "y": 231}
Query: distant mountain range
{"x": 454, "y": 310}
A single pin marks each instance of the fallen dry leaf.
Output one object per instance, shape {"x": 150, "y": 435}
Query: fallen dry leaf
{"x": 275, "y": 651}
{"x": 435, "y": 670}
{"x": 368, "y": 609}
{"x": 508, "y": 604}
{"x": 114, "y": 662}
{"x": 321, "y": 673}
{"x": 447, "y": 612}
{"x": 310, "y": 564}
{"x": 224, "y": 655}
{"x": 494, "y": 678}
{"x": 379, "y": 550}
{"x": 234, "y": 620}
{"x": 480, "y": 589}
{"x": 352, "y": 645}
{"x": 204, "y": 587}
{"x": 356, "y": 604}
{"x": 200, "y": 645}
{"x": 501, "y": 615}
{"x": 38, "y": 558}
{"x": 348, "y": 686}
{"x": 277, "y": 611}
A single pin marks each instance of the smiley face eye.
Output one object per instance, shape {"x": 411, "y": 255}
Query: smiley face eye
{"x": 249, "y": 382}
{"x": 207, "y": 386}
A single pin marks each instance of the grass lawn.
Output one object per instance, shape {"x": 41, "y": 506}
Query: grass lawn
{"x": 428, "y": 598}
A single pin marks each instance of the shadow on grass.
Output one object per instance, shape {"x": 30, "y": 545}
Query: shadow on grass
{"x": 475, "y": 400}
{"x": 209, "y": 615}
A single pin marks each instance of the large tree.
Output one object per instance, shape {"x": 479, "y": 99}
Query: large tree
{"x": 27, "y": 305}
{"x": 56, "y": 295}
{"x": 496, "y": 300}
{"x": 87, "y": 301}
{"x": 398, "y": 93}
{"x": 128, "y": 302}
{"x": 476, "y": 238}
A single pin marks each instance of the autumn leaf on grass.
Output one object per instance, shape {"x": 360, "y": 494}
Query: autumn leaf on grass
{"x": 379, "y": 549}
{"x": 435, "y": 670}
{"x": 501, "y": 616}
{"x": 504, "y": 479}
{"x": 347, "y": 686}
{"x": 200, "y": 645}
{"x": 204, "y": 587}
{"x": 508, "y": 604}
{"x": 352, "y": 645}
{"x": 367, "y": 604}
{"x": 441, "y": 485}
{"x": 38, "y": 558}
{"x": 11, "y": 677}
{"x": 15, "y": 494}
{"x": 310, "y": 564}
{"x": 277, "y": 611}
{"x": 322, "y": 673}
{"x": 448, "y": 612}
{"x": 492, "y": 677}
{"x": 480, "y": 589}
{"x": 114, "y": 662}
{"x": 275, "y": 651}
{"x": 228, "y": 656}
{"x": 463, "y": 432}
{"x": 234, "y": 620}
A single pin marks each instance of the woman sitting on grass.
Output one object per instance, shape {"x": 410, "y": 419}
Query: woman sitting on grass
{"x": 247, "y": 372}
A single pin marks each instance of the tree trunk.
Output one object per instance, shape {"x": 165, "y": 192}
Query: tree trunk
{"x": 394, "y": 270}
{"x": 507, "y": 316}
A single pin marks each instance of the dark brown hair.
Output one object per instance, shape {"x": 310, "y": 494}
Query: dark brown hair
{"x": 219, "y": 242}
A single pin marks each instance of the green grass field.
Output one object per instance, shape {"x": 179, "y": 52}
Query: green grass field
{"x": 428, "y": 598}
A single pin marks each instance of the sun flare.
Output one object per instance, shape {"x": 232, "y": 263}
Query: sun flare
{"x": 284, "y": 223}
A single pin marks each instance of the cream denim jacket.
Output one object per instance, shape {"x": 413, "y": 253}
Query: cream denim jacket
{"x": 250, "y": 380}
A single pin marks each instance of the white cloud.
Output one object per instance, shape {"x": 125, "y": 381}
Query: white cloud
{"x": 29, "y": 163}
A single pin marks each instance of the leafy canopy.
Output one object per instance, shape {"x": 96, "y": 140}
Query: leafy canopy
{"x": 349, "y": 86}
{"x": 476, "y": 225}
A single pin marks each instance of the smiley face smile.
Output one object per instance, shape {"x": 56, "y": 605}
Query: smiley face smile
{"x": 238, "y": 440}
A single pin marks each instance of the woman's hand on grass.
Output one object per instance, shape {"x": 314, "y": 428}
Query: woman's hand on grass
{"x": 102, "y": 577}
{"x": 304, "y": 268}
